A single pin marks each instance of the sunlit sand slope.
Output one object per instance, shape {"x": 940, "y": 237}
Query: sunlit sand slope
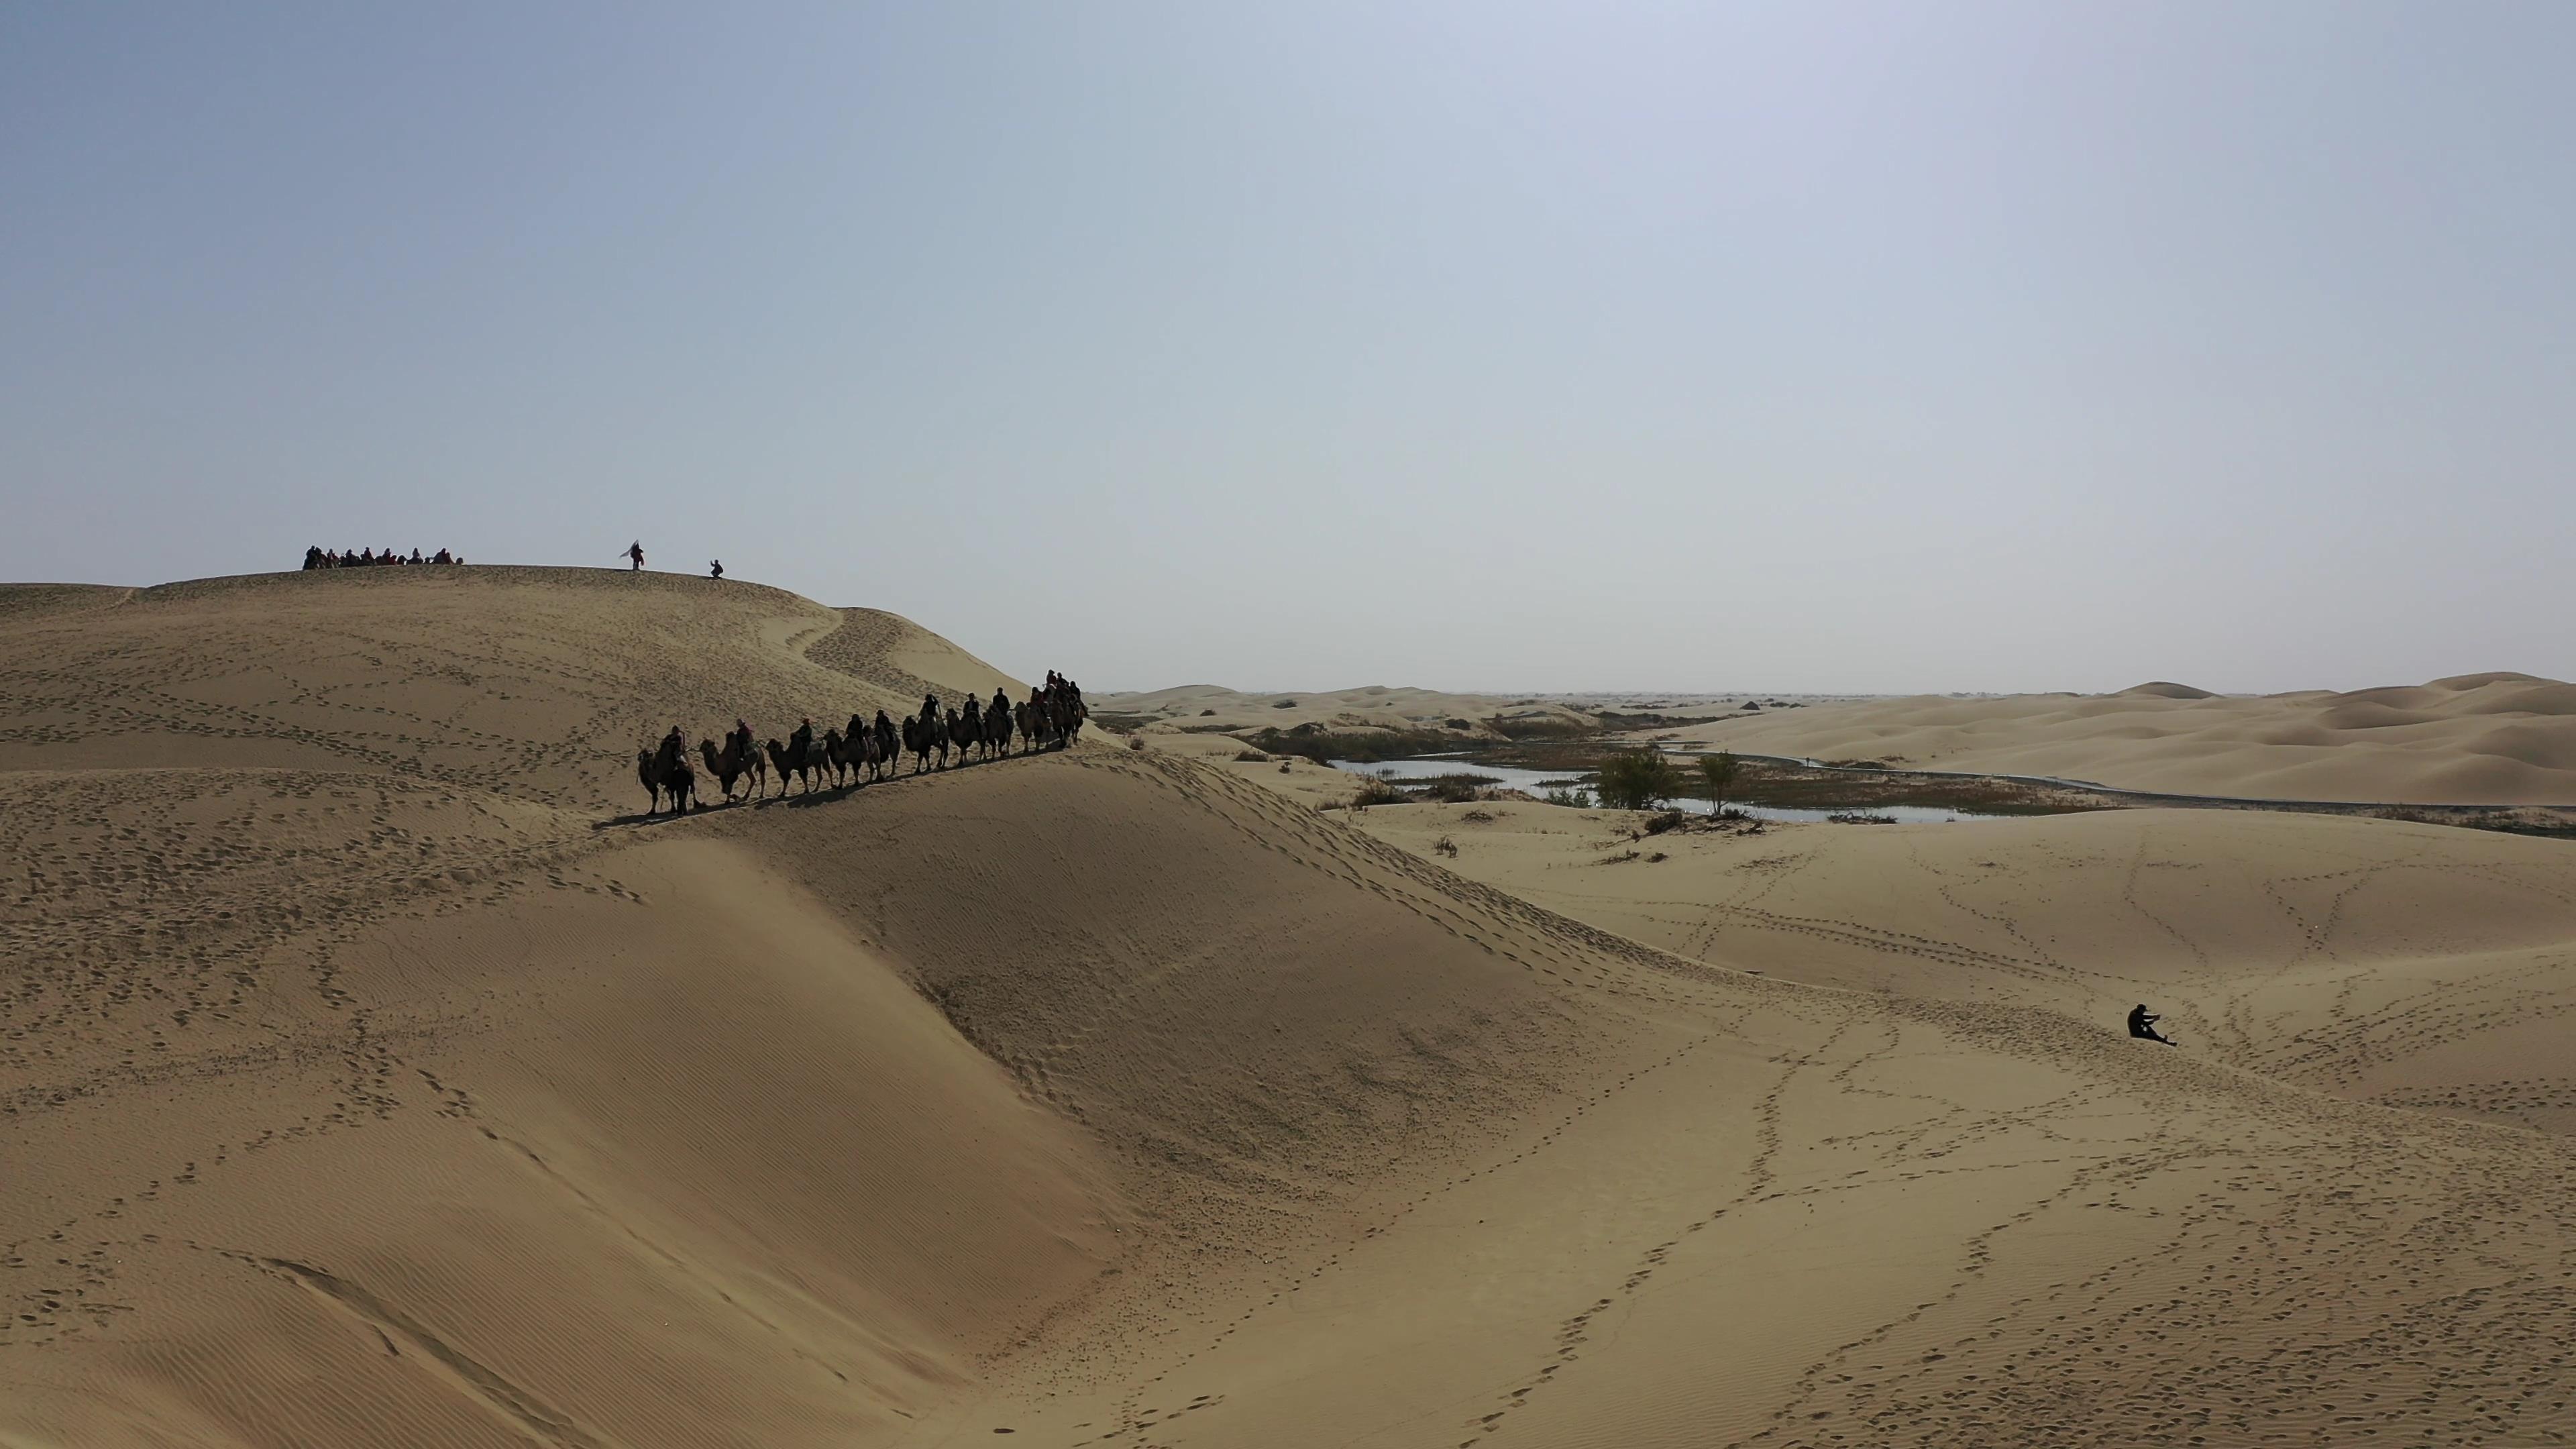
{"x": 368, "y": 1075}
{"x": 2500, "y": 739}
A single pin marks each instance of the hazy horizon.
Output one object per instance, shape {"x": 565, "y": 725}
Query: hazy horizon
{"x": 1840, "y": 349}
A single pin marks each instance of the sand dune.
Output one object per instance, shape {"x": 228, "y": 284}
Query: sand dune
{"x": 1212, "y": 709}
{"x": 2479, "y": 739}
{"x": 369, "y": 1075}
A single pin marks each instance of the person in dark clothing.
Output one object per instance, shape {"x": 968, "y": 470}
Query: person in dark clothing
{"x": 715, "y": 568}
{"x": 2142, "y": 1024}
{"x": 635, "y": 556}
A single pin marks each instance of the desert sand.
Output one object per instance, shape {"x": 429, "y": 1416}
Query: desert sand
{"x": 2472, "y": 739}
{"x": 370, "y": 1074}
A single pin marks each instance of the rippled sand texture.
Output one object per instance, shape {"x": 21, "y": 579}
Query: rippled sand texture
{"x": 370, "y": 1075}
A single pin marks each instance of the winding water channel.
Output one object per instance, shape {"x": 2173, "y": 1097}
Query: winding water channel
{"x": 1539, "y": 782}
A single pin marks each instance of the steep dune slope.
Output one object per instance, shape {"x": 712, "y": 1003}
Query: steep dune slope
{"x": 369, "y": 1075}
{"x": 2489, "y": 739}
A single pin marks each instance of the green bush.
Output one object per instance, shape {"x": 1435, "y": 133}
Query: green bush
{"x": 1374, "y": 791}
{"x": 1572, "y": 799}
{"x": 1638, "y": 779}
{"x": 1718, "y": 773}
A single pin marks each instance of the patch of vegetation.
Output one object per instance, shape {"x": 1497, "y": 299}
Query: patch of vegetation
{"x": 1323, "y": 746}
{"x": 1542, "y": 727}
{"x": 1860, "y": 817}
{"x": 1122, "y": 723}
{"x": 1571, "y": 799}
{"x": 1250, "y": 757}
{"x": 1638, "y": 779}
{"x": 1664, "y": 820}
{"x": 1283, "y": 704}
{"x": 1374, "y": 791}
{"x": 1445, "y": 846}
{"x": 1455, "y": 789}
{"x": 1478, "y": 817}
{"x": 1717, "y": 775}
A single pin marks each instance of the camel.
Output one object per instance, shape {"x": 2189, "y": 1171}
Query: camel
{"x": 665, "y": 773}
{"x": 920, "y": 738}
{"x": 888, "y": 742}
{"x": 963, "y": 733}
{"x": 1025, "y": 716}
{"x": 836, "y": 756}
{"x": 861, "y": 742}
{"x": 738, "y": 762}
{"x": 997, "y": 726}
{"x": 797, "y": 759}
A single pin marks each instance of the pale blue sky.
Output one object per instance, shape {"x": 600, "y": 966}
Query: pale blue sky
{"x": 1486, "y": 346}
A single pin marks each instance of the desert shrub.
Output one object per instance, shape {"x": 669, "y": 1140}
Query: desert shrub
{"x": 1457, "y": 724}
{"x": 1622, "y": 858}
{"x": 1718, "y": 773}
{"x": 1250, "y": 757}
{"x": 1541, "y": 727}
{"x": 1203, "y": 714}
{"x": 1283, "y": 767}
{"x": 1572, "y": 799}
{"x": 1456, "y": 789}
{"x": 1374, "y": 791}
{"x": 1283, "y": 704}
{"x": 1638, "y": 779}
{"x": 1478, "y": 817}
{"x": 1666, "y": 820}
{"x": 1658, "y": 855}
{"x": 1136, "y": 742}
{"x": 1445, "y": 846}
{"x": 1324, "y": 746}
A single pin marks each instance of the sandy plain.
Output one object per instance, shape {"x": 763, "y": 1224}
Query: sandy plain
{"x": 370, "y": 1075}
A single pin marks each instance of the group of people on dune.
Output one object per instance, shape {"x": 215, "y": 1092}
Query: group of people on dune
{"x": 322, "y": 558}
{"x": 1050, "y": 718}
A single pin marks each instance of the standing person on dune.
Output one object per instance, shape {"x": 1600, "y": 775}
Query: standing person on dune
{"x": 635, "y": 556}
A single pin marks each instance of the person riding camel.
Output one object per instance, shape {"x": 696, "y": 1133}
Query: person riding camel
{"x": 675, "y": 748}
{"x": 2142, "y": 1024}
{"x": 635, "y": 556}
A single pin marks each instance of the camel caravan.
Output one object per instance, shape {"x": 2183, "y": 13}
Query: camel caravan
{"x": 867, "y": 751}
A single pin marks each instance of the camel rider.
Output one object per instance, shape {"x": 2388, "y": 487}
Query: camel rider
{"x": 674, "y": 748}
{"x": 930, "y": 708}
{"x": 635, "y": 556}
{"x": 1001, "y": 704}
{"x": 740, "y": 740}
{"x": 801, "y": 743}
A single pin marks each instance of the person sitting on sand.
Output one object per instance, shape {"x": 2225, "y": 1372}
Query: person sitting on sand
{"x": 2142, "y": 1024}
{"x": 715, "y": 569}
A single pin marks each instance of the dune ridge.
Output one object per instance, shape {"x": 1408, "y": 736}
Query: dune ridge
{"x": 369, "y": 1075}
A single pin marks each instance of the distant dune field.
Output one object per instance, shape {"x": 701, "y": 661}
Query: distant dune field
{"x": 370, "y": 1074}
{"x": 2475, "y": 739}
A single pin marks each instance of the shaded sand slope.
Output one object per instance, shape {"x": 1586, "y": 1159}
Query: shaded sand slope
{"x": 367, "y": 1081}
{"x": 2500, "y": 739}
